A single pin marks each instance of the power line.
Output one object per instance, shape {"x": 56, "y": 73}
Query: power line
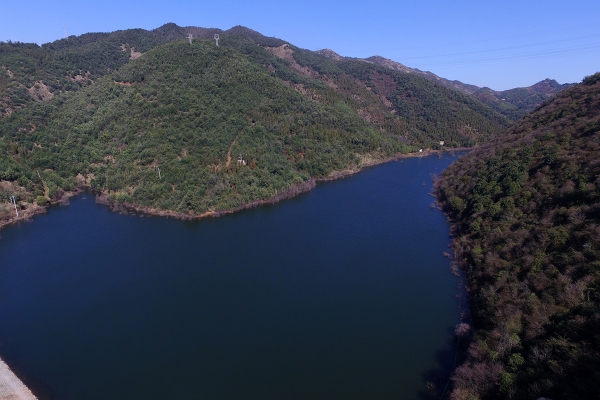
{"x": 518, "y": 57}
{"x": 521, "y": 36}
{"x": 502, "y": 48}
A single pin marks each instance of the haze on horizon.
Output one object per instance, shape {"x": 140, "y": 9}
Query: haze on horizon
{"x": 499, "y": 44}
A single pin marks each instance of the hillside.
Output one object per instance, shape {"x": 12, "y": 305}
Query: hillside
{"x": 136, "y": 101}
{"x": 526, "y": 216}
{"x": 516, "y": 103}
{"x": 513, "y": 103}
{"x": 37, "y": 73}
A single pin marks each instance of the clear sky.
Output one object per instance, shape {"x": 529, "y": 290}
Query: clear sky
{"x": 499, "y": 44}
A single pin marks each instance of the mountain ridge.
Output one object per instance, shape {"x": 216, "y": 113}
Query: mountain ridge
{"x": 514, "y": 103}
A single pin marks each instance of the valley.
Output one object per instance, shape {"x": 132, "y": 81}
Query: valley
{"x": 151, "y": 123}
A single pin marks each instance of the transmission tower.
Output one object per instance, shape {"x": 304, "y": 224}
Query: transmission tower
{"x": 12, "y": 198}
{"x": 217, "y": 39}
{"x": 190, "y": 37}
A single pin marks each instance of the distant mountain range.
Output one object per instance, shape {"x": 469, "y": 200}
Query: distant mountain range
{"x": 514, "y": 103}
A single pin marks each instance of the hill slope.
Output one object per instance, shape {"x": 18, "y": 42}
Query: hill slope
{"x": 526, "y": 212}
{"x": 516, "y": 103}
{"x": 513, "y": 103}
{"x": 192, "y": 110}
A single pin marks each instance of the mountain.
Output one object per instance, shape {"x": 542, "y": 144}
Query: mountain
{"x": 525, "y": 210}
{"x": 516, "y": 103}
{"x": 513, "y": 103}
{"x": 254, "y": 119}
{"x": 457, "y": 85}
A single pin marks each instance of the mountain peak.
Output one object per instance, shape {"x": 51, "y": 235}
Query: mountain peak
{"x": 329, "y": 54}
{"x": 546, "y": 86}
{"x": 386, "y": 62}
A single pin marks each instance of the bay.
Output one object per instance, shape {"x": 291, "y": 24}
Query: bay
{"x": 340, "y": 293}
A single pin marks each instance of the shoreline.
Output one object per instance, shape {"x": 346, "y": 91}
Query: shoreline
{"x": 288, "y": 193}
{"x": 31, "y": 210}
{"x": 11, "y": 387}
{"x": 292, "y": 191}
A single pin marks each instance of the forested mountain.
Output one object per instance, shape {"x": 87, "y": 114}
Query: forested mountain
{"x": 516, "y": 103}
{"x": 249, "y": 120}
{"x": 33, "y": 73}
{"x": 513, "y": 103}
{"x": 526, "y": 215}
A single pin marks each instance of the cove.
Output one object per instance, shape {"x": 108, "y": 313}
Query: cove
{"x": 340, "y": 293}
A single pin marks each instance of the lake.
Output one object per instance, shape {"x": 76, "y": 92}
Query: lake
{"x": 340, "y": 293}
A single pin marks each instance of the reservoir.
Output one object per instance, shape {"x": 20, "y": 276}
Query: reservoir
{"x": 340, "y": 293}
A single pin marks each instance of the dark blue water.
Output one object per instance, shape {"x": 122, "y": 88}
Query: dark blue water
{"x": 340, "y": 293}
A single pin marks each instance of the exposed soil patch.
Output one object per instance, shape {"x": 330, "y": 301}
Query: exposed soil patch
{"x": 40, "y": 92}
{"x": 285, "y": 52}
{"x": 80, "y": 78}
{"x": 134, "y": 55}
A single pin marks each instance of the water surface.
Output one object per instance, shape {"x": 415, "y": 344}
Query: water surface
{"x": 340, "y": 293}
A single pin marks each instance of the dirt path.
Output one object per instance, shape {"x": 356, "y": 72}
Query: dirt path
{"x": 46, "y": 190}
{"x": 11, "y": 387}
{"x": 230, "y": 147}
{"x": 229, "y": 152}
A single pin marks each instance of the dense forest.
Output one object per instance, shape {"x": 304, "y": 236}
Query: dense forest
{"x": 157, "y": 123}
{"x": 526, "y": 216}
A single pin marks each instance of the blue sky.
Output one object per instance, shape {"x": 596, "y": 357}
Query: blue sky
{"x": 499, "y": 44}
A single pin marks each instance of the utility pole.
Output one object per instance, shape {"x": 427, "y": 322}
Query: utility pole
{"x": 159, "y": 177}
{"x": 12, "y": 198}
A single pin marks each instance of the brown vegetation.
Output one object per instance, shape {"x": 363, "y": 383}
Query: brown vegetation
{"x": 526, "y": 217}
